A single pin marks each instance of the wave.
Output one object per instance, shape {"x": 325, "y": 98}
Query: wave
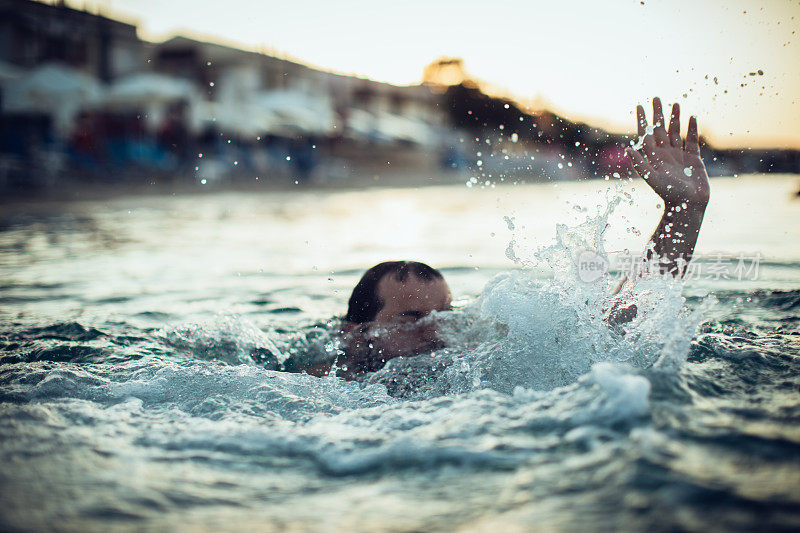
{"x": 340, "y": 427}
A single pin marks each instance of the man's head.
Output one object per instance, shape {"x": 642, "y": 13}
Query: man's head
{"x": 397, "y": 292}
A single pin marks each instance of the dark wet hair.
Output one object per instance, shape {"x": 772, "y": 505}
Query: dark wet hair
{"x": 365, "y": 304}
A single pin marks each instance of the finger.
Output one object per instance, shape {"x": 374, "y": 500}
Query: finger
{"x": 659, "y": 132}
{"x": 641, "y": 121}
{"x": 639, "y": 163}
{"x": 658, "y": 113}
{"x": 649, "y": 149}
{"x": 675, "y": 126}
{"x": 692, "y": 137}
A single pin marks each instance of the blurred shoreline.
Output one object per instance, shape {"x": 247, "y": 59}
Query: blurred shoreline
{"x": 112, "y": 114}
{"x": 78, "y": 190}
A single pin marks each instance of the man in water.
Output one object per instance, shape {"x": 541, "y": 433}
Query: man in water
{"x": 385, "y": 310}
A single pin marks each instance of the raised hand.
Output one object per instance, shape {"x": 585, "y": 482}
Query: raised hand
{"x": 675, "y": 171}
{"x": 672, "y": 168}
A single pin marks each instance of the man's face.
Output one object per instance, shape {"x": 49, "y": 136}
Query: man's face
{"x": 409, "y": 300}
{"x": 400, "y": 329}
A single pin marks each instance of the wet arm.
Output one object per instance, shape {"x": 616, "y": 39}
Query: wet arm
{"x": 676, "y": 173}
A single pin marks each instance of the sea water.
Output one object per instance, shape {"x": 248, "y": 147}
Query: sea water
{"x": 143, "y": 340}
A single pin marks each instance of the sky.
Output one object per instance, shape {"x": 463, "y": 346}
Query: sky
{"x": 586, "y": 59}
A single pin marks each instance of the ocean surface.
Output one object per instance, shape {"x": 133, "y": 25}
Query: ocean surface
{"x": 141, "y": 342}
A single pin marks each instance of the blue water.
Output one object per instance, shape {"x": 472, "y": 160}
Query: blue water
{"x": 139, "y": 339}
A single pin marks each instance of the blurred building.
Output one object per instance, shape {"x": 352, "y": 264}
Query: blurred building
{"x": 82, "y": 95}
{"x": 228, "y": 74}
{"x": 33, "y": 33}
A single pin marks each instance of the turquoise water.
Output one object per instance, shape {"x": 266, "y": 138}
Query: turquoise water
{"x": 139, "y": 338}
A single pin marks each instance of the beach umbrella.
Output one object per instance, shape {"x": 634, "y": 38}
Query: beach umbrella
{"x": 51, "y": 88}
{"x": 362, "y": 124}
{"x": 55, "y": 90}
{"x": 239, "y": 117}
{"x": 292, "y": 111}
{"x": 405, "y": 129}
{"x": 149, "y": 88}
{"x": 388, "y": 127}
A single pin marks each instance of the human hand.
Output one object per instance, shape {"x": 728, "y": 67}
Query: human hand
{"x": 672, "y": 168}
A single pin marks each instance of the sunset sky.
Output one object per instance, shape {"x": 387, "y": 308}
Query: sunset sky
{"x": 587, "y": 59}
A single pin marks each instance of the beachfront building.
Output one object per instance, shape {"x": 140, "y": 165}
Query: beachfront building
{"x": 348, "y": 106}
{"x": 292, "y": 109}
{"x": 86, "y": 90}
{"x": 34, "y": 33}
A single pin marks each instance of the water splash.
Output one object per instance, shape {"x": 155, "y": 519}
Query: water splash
{"x": 539, "y": 334}
{"x": 229, "y": 338}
